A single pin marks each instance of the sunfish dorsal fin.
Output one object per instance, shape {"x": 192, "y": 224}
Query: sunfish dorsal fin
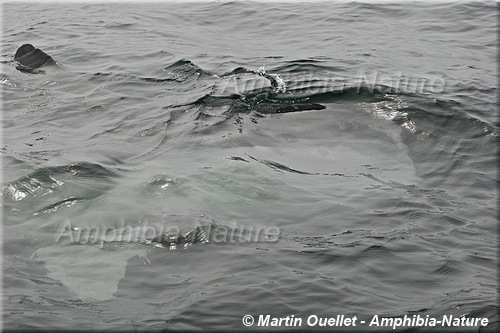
{"x": 31, "y": 58}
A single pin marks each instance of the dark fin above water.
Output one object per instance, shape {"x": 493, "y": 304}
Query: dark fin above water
{"x": 286, "y": 108}
{"x": 299, "y": 107}
{"x": 30, "y": 59}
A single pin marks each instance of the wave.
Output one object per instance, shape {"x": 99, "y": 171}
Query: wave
{"x": 49, "y": 189}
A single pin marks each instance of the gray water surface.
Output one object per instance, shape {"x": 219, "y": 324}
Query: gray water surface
{"x": 385, "y": 201}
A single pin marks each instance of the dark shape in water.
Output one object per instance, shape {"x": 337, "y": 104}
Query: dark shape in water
{"x": 31, "y": 59}
{"x": 278, "y": 108}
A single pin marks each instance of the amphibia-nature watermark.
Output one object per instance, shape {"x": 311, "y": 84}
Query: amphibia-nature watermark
{"x": 168, "y": 234}
{"x": 315, "y": 83}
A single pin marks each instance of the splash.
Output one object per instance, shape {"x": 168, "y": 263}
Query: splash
{"x": 277, "y": 82}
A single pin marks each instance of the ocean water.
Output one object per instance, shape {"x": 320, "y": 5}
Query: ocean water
{"x": 382, "y": 203}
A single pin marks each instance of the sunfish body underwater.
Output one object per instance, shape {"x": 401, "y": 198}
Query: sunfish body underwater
{"x": 343, "y": 157}
{"x": 32, "y": 60}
